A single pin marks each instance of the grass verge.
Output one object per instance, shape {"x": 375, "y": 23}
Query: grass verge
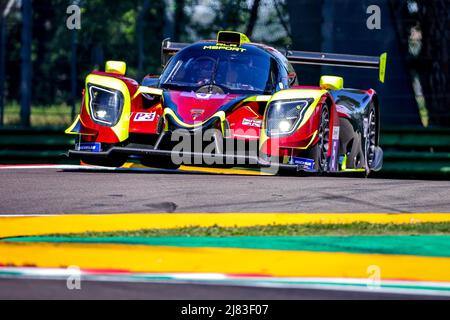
{"x": 41, "y": 116}
{"x": 360, "y": 228}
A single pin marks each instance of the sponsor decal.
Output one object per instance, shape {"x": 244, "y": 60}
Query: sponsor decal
{"x": 226, "y": 47}
{"x": 145, "y": 116}
{"x": 203, "y": 96}
{"x": 90, "y": 146}
{"x": 303, "y": 163}
{"x": 334, "y": 150}
{"x": 197, "y": 113}
{"x": 252, "y": 123}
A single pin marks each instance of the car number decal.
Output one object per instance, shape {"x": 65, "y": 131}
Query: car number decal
{"x": 145, "y": 117}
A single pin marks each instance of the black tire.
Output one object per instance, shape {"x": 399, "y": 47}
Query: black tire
{"x": 160, "y": 162}
{"x": 320, "y": 150}
{"x": 371, "y": 139}
{"x": 114, "y": 162}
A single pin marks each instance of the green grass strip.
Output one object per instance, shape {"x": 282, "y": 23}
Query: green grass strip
{"x": 436, "y": 246}
{"x": 357, "y": 228}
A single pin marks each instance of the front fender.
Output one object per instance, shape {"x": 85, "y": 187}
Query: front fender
{"x": 306, "y": 134}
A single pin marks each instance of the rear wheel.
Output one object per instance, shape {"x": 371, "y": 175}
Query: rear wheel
{"x": 320, "y": 150}
{"x": 371, "y": 140}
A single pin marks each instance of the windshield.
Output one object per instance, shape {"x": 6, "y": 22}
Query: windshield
{"x": 234, "y": 72}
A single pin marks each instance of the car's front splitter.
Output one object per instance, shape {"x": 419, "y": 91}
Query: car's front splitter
{"x": 194, "y": 157}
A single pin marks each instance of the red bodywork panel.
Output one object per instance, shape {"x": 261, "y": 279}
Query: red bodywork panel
{"x": 145, "y": 121}
{"x": 245, "y": 122}
{"x": 194, "y": 107}
{"x": 302, "y": 137}
{"x": 98, "y": 132}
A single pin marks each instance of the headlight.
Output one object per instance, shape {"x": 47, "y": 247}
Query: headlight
{"x": 105, "y": 105}
{"x": 284, "y": 116}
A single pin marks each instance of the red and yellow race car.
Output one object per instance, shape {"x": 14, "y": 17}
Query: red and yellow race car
{"x": 231, "y": 102}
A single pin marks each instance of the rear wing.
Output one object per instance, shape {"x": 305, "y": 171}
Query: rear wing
{"x": 169, "y": 49}
{"x": 339, "y": 60}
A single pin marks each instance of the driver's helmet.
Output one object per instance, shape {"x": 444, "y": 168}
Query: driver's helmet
{"x": 202, "y": 69}
{"x": 238, "y": 70}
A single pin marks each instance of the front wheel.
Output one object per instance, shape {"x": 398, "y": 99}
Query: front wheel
{"x": 320, "y": 151}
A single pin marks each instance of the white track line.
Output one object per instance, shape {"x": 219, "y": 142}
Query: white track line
{"x": 332, "y": 284}
{"x": 29, "y": 215}
{"x": 77, "y": 167}
{"x": 29, "y": 167}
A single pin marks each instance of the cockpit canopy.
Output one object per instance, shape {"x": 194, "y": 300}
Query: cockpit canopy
{"x": 234, "y": 69}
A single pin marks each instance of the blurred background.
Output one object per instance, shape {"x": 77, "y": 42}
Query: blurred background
{"x": 45, "y": 56}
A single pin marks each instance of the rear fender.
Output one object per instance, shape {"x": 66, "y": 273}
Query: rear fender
{"x": 354, "y": 107}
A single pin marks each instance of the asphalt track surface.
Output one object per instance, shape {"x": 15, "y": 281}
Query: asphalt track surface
{"x": 58, "y": 191}
{"x": 17, "y": 289}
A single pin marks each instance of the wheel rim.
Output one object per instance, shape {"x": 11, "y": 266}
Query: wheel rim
{"x": 372, "y": 138}
{"x": 324, "y": 134}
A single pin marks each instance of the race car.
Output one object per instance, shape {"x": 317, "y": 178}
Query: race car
{"x": 231, "y": 102}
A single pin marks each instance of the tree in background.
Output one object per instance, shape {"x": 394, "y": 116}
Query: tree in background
{"x": 131, "y": 31}
{"x": 423, "y": 27}
{"x": 259, "y": 19}
{"x": 253, "y": 17}
{"x": 109, "y": 30}
{"x": 179, "y": 19}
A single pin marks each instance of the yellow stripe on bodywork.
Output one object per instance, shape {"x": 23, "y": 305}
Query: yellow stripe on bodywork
{"x": 74, "y": 124}
{"x": 300, "y": 94}
{"x": 264, "y": 98}
{"x": 292, "y": 94}
{"x": 383, "y": 62}
{"x": 224, "y": 171}
{"x": 148, "y": 90}
{"x": 157, "y": 259}
{"x": 311, "y": 141}
{"x": 220, "y": 171}
{"x": 64, "y": 224}
{"x": 121, "y": 129}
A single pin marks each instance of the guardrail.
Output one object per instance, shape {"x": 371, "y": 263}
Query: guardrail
{"x": 408, "y": 151}
{"x": 34, "y": 146}
{"x": 416, "y": 151}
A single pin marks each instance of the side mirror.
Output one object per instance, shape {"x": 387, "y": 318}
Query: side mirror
{"x": 117, "y": 67}
{"x": 331, "y": 83}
